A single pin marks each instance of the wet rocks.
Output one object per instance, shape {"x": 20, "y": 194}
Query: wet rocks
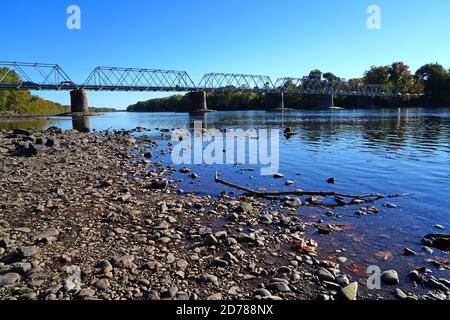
{"x": 293, "y": 202}
{"x": 390, "y": 277}
{"x": 325, "y": 275}
{"x": 439, "y": 241}
{"x": 409, "y": 252}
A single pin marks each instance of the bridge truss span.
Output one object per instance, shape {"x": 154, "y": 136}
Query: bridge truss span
{"x": 33, "y": 76}
{"x": 137, "y": 79}
{"x": 230, "y": 82}
{"x": 324, "y": 87}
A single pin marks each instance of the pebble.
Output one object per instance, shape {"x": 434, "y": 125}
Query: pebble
{"x": 102, "y": 284}
{"x": 182, "y": 264}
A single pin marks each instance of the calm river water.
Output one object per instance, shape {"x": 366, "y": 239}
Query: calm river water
{"x": 367, "y": 151}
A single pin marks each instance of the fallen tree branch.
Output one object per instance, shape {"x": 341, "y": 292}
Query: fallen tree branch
{"x": 273, "y": 195}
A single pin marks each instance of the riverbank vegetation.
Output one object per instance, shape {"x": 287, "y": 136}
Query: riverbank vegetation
{"x": 428, "y": 86}
{"x": 22, "y": 102}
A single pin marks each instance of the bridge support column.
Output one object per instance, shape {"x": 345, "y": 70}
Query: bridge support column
{"x": 275, "y": 101}
{"x": 79, "y": 102}
{"x": 327, "y": 101}
{"x": 197, "y": 102}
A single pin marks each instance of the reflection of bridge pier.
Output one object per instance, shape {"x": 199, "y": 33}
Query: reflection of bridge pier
{"x": 80, "y": 123}
{"x": 79, "y": 102}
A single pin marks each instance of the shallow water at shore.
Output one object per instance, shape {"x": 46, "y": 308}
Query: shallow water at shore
{"x": 383, "y": 151}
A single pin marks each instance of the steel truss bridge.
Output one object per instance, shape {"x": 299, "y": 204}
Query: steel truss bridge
{"x": 41, "y": 76}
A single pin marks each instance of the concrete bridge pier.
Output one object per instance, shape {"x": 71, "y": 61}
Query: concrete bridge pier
{"x": 197, "y": 102}
{"x": 327, "y": 101}
{"x": 275, "y": 101}
{"x": 79, "y": 102}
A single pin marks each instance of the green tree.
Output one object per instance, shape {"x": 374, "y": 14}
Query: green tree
{"x": 434, "y": 78}
{"x": 377, "y": 75}
{"x": 400, "y": 76}
{"x": 330, "y": 77}
{"x": 315, "y": 75}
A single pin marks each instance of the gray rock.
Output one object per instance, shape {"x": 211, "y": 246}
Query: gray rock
{"x": 210, "y": 240}
{"x": 21, "y": 267}
{"x": 9, "y": 279}
{"x": 27, "y": 252}
{"x": 48, "y": 235}
{"x": 294, "y": 203}
{"x": 209, "y": 278}
{"x": 4, "y": 243}
{"x": 102, "y": 284}
{"x": 325, "y": 275}
{"x": 278, "y": 287}
{"x": 86, "y": 293}
{"x": 153, "y": 295}
{"x": 105, "y": 266}
{"x": 262, "y": 292}
{"x": 390, "y": 277}
{"x": 219, "y": 263}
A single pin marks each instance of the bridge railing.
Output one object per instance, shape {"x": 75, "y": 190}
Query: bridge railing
{"x": 136, "y": 79}
{"x": 33, "y": 76}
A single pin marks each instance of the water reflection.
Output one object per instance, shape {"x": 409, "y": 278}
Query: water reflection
{"x": 81, "y": 123}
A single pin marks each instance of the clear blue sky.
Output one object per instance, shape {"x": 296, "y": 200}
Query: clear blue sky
{"x": 275, "y": 38}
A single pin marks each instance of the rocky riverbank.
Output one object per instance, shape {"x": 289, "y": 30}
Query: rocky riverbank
{"x": 91, "y": 216}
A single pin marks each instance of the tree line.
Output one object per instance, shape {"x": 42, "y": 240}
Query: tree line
{"x": 23, "y": 102}
{"x": 428, "y": 86}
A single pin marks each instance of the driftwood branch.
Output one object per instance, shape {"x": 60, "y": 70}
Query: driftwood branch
{"x": 273, "y": 195}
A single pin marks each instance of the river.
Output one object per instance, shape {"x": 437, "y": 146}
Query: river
{"x": 385, "y": 151}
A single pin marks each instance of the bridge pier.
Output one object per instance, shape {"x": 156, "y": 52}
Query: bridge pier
{"x": 275, "y": 101}
{"x": 327, "y": 101}
{"x": 197, "y": 102}
{"x": 79, "y": 102}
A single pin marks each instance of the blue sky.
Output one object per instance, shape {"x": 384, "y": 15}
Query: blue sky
{"x": 275, "y": 38}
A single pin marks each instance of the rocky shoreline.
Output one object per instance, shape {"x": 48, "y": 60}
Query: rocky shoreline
{"x": 83, "y": 217}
